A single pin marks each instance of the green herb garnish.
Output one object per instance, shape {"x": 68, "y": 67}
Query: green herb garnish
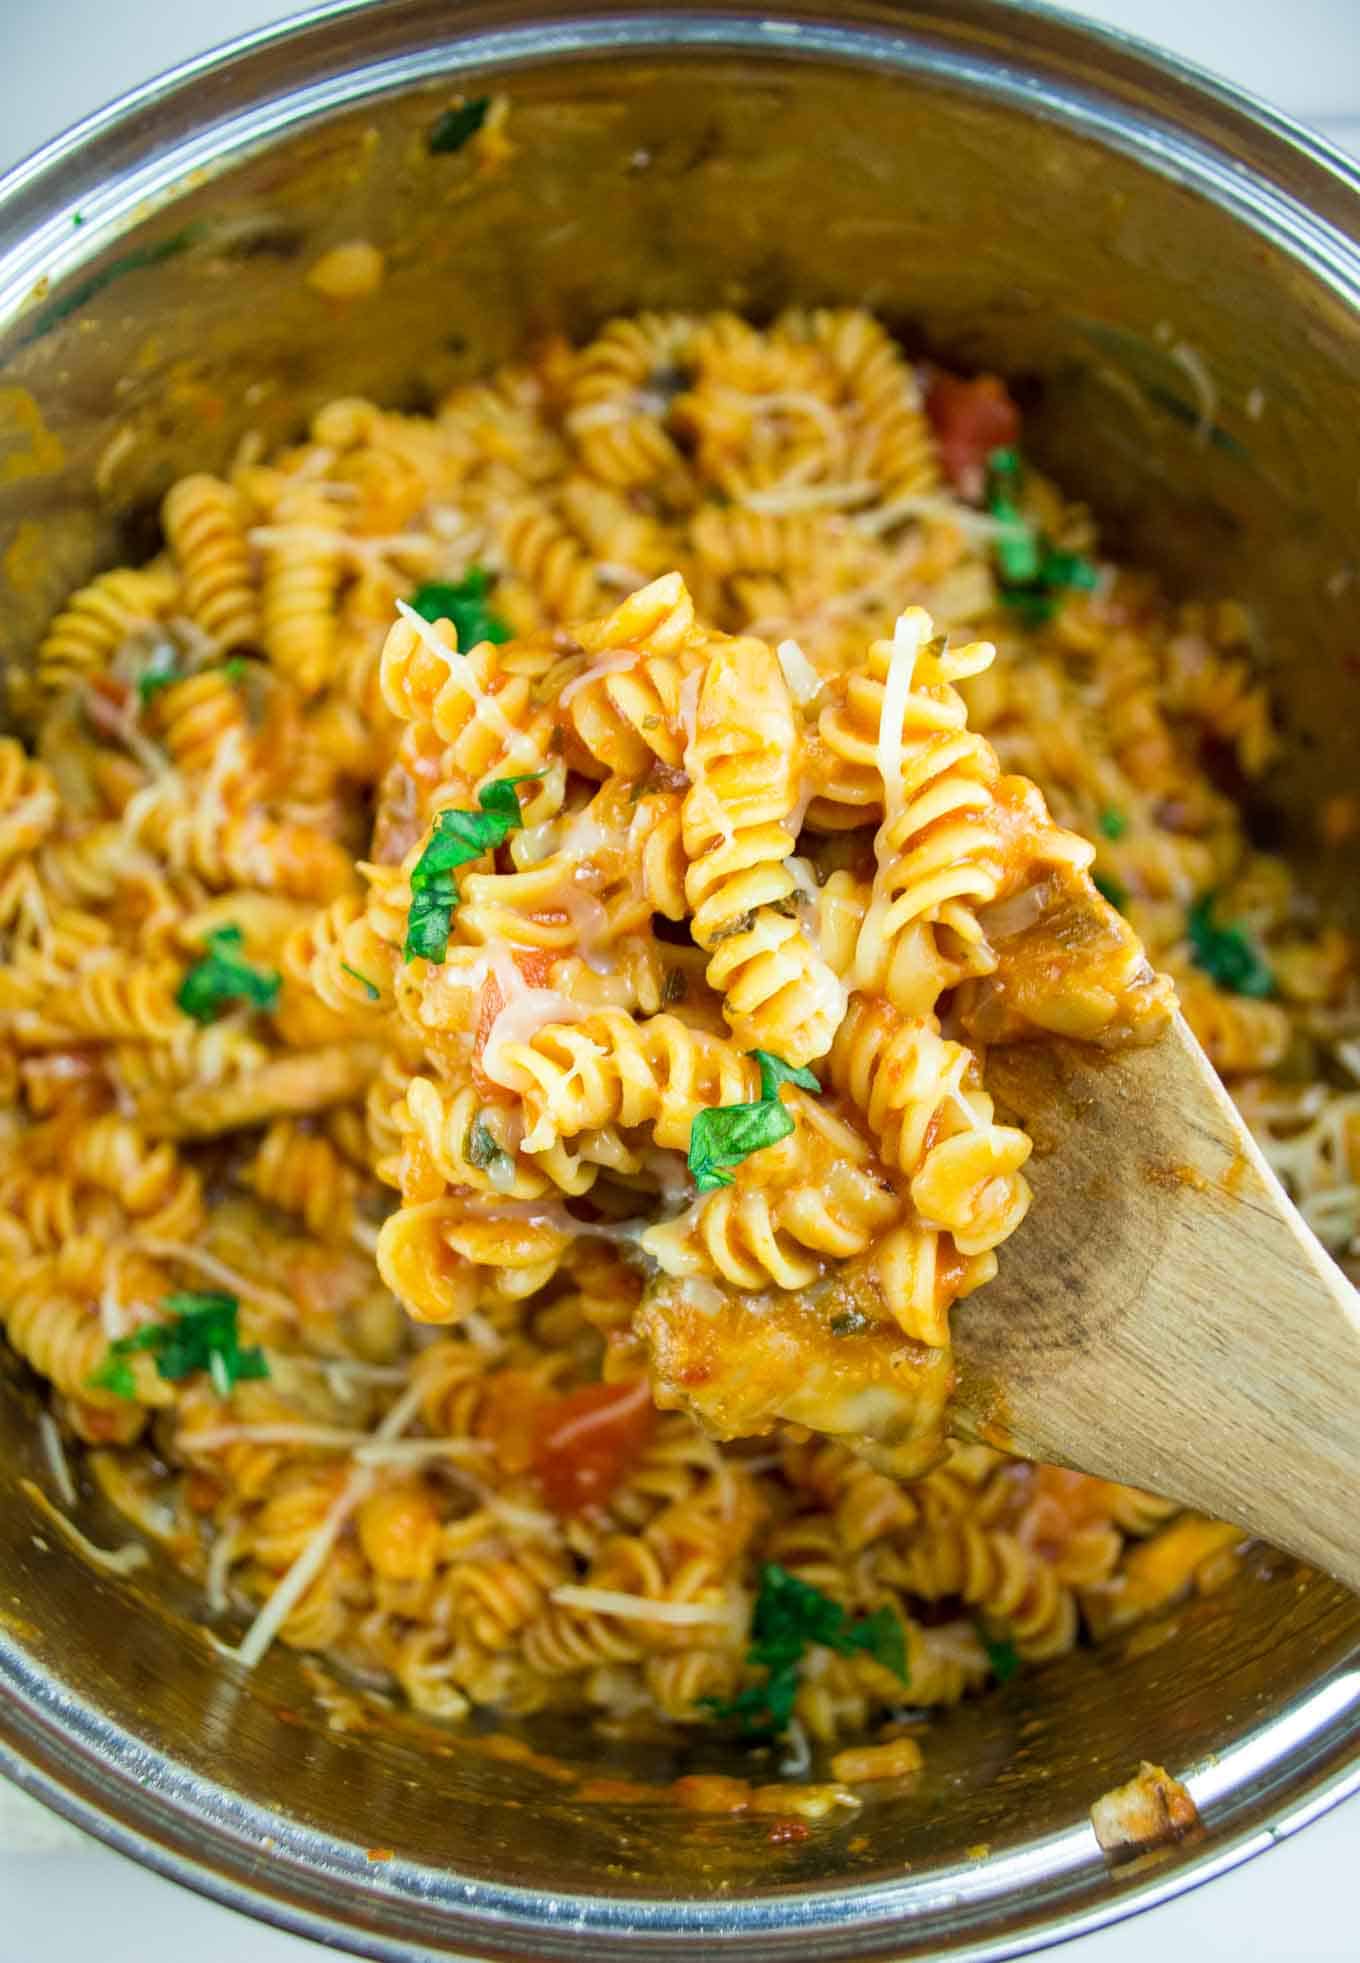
{"x": 1226, "y": 954}
{"x": 463, "y": 604}
{"x": 236, "y": 668}
{"x": 203, "y": 1336}
{"x": 483, "y": 1149}
{"x": 222, "y": 977}
{"x": 774, "y": 1072}
{"x": 1113, "y": 824}
{"x": 371, "y": 989}
{"x": 1001, "y": 1654}
{"x": 1033, "y": 571}
{"x": 458, "y": 836}
{"x": 1110, "y": 889}
{"x": 790, "y": 1616}
{"x": 725, "y": 1134}
{"x": 162, "y": 668}
{"x": 851, "y": 1322}
{"x": 449, "y": 132}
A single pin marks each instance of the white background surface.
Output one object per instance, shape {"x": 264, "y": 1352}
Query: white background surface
{"x": 65, "y": 1900}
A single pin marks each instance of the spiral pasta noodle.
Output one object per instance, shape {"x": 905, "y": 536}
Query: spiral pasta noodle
{"x": 679, "y": 684}
{"x": 205, "y": 527}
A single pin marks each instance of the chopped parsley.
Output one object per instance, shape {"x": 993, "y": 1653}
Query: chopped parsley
{"x": 458, "y": 837}
{"x": 449, "y": 132}
{"x": 222, "y": 977}
{"x": 1113, "y": 824}
{"x": 790, "y": 1616}
{"x": 371, "y": 989}
{"x": 1226, "y": 954}
{"x": 1110, "y": 889}
{"x": 465, "y": 605}
{"x": 725, "y": 1134}
{"x": 1032, "y": 571}
{"x": 203, "y": 1336}
{"x": 1001, "y": 1654}
{"x": 236, "y": 668}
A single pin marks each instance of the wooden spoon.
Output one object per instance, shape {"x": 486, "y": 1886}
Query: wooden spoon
{"x": 1164, "y": 1317}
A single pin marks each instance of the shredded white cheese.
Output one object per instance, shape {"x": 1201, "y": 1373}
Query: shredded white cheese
{"x": 317, "y": 538}
{"x": 635, "y": 1608}
{"x": 216, "y": 1438}
{"x": 520, "y": 1019}
{"x": 230, "y": 1278}
{"x": 219, "y": 1568}
{"x": 518, "y": 746}
{"x": 1202, "y": 382}
{"x": 617, "y": 662}
{"x": 976, "y": 524}
{"x": 55, "y": 1454}
{"x": 417, "y": 1451}
{"x": 802, "y": 678}
{"x": 798, "y": 1759}
{"x": 315, "y": 1554}
{"x": 909, "y": 635}
{"x": 116, "y": 1560}
{"x": 782, "y": 503}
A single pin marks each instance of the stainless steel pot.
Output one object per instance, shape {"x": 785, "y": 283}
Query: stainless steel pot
{"x": 1176, "y": 273}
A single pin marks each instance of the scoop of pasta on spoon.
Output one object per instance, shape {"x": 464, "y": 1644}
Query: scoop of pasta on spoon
{"x": 1163, "y": 1317}
{"x": 890, "y": 992}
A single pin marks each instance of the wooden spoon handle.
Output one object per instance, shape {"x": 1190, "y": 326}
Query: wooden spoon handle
{"x": 1165, "y": 1318}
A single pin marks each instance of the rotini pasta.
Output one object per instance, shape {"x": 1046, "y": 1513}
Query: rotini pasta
{"x": 543, "y": 869}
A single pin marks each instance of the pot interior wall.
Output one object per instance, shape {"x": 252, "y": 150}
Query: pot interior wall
{"x": 999, "y": 236}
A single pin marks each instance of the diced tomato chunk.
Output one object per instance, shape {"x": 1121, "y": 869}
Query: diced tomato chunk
{"x": 970, "y": 420}
{"x": 588, "y": 1441}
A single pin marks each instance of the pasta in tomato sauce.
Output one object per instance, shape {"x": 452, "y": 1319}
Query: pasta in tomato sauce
{"x": 503, "y": 922}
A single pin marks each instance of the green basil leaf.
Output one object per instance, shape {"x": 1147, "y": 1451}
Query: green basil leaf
{"x": 1110, "y": 889}
{"x": 114, "y": 1374}
{"x": 203, "y": 1336}
{"x": 464, "y": 603}
{"x": 789, "y": 1616}
{"x": 1062, "y": 572}
{"x": 774, "y": 1072}
{"x": 1226, "y": 953}
{"x": 881, "y": 1636}
{"x": 222, "y": 977}
{"x": 1001, "y": 1654}
{"x": 457, "y": 837}
{"x": 430, "y": 920}
{"x": 1031, "y": 605}
{"x": 1113, "y": 824}
{"x": 449, "y": 132}
{"x": 1033, "y": 572}
{"x": 726, "y": 1134}
{"x": 1019, "y": 556}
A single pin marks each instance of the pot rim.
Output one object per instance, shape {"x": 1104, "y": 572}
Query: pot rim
{"x": 132, "y": 156}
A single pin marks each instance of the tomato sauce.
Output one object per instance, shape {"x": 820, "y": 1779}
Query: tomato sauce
{"x": 970, "y": 420}
{"x": 589, "y": 1439}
